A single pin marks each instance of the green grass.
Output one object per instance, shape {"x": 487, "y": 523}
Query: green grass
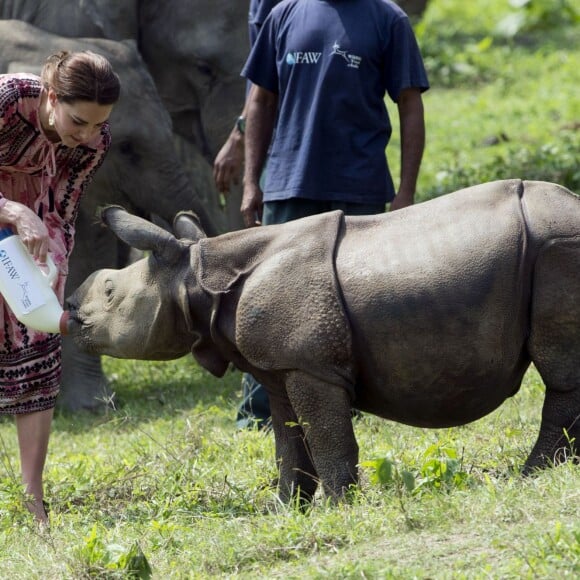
{"x": 167, "y": 472}
{"x": 165, "y": 480}
{"x": 498, "y": 107}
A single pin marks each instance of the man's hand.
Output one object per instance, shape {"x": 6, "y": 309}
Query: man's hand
{"x": 227, "y": 167}
{"x": 251, "y": 208}
{"x": 402, "y": 199}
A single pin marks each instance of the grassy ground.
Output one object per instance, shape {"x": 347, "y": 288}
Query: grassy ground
{"x": 164, "y": 479}
{"x": 498, "y": 107}
{"x": 168, "y": 473}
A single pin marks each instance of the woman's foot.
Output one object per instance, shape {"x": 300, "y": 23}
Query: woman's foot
{"x": 39, "y": 510}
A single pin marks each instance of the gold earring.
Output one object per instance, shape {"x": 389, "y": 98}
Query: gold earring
{"x": 51, "y": 118}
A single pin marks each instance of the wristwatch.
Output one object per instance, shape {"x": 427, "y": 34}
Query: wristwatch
{"x": 241, "y": 124}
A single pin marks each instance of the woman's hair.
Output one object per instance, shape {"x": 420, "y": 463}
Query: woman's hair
{"x": 81, "y": 76}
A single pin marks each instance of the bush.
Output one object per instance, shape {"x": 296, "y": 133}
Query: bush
{"x": 537, "y": 16}
{"x": 556, "y": 162}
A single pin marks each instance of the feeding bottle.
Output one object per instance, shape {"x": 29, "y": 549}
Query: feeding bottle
{"x": 26, "y": 287}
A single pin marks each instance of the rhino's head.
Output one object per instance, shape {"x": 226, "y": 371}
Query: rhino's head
{"x": 141, "y": 311}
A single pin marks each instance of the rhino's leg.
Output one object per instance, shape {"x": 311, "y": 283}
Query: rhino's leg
{"x": 297, "y": 473}
{"x": 324, "y": 410}
{"x": 559, "y": 437}
{"x": 554, "y": 346}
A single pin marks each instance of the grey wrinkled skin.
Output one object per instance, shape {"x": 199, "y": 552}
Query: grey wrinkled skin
{"x": 140, "y": 172}
{"x": 191, "y": 53}
{"x": 428, "y": 316}
{"x": 194, "y": 51}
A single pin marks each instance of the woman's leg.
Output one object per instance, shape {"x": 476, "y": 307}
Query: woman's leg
{"x": 33, "y": 434}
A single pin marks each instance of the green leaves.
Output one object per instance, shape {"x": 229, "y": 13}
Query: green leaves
{"x": 537, "y": 15}
{"x": 100, "y": 558}
{"x": 439, "y": 469}
{"x": 442, "y": 469}
{"x": 554, "y": 161}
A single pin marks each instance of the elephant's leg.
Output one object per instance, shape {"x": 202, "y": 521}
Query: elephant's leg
{"x": 324, "y": 410}
{"x": 297, "y": 474}
{"x": 84, "y": 385}
{"x": 554, "y": 345}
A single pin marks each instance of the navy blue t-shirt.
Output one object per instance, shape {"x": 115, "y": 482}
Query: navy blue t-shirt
{"x": 331, "y": 63}
{"x": 259, "y": 10}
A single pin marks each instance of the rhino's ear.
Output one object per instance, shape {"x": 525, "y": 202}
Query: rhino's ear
{"x": 187, "y": 225}
{"x": 140, "y": 233}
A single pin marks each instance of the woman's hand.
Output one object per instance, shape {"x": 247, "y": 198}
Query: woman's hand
{"x": 30, "y": 228}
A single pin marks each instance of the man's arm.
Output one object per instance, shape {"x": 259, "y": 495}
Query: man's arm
{"x": 261, "y": 116}
{"x": 227, "y": 166}
{"x": 412, "y": 123}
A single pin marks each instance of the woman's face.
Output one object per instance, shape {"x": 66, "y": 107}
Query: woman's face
{"x": 79, "y": 122}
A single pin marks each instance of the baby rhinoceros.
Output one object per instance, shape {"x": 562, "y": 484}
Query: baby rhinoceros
{"x": 428, "y": 316}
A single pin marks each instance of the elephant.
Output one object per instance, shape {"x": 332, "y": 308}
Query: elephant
{"x": 89, "y": 19}
{"x": 428, "y": 316}
{"x": 140, "y": 171}
{"x": 83, "y": 380}
{"x": 194, "y": 51}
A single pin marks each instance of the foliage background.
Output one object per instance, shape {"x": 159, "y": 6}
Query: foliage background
{"x": 164, "y": 485}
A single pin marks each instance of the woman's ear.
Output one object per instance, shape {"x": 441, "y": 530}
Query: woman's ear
{"x": 52, "y": 98}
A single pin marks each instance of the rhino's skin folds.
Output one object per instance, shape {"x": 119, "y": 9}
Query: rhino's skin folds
{"x": 429, "y": 316}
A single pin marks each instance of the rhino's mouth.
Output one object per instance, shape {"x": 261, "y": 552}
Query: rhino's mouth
{"x": 74, "y": 319}
{"x": 78, "y": 328}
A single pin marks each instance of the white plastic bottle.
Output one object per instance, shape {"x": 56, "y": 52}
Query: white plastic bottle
{"x": 26, "y": 287}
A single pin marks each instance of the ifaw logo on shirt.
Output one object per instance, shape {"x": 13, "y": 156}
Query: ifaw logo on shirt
{"x": 298, "y": 57}
{"x": 352, "y": 60}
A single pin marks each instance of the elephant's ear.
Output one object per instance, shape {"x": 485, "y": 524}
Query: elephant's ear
{"x": 141, "y": 234}
{"x": 187, "y": 225}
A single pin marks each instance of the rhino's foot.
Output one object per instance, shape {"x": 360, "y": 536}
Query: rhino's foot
{"x": 298, "y": 497}
{"x": 297, "y": 485}
{"x": 562, "y": 455}
{"x": 559, "y": 437}
{"x": 564, "y": 449}
{"x": 325, "y": 422}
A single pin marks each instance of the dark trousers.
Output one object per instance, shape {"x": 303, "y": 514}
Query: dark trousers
{"x": 254, "y": 410}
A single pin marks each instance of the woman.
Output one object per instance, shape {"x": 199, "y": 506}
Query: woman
{"x": 54, "y": 135}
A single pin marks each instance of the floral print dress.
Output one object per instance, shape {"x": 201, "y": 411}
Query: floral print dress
{"x": 50, "y": 179}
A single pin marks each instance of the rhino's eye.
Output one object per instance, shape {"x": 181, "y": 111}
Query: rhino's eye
{"x": 109, "y": 290}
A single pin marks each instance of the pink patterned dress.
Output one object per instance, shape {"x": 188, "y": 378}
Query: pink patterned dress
{"x": 50, "y": 179}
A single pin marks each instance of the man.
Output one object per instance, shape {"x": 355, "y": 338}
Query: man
{"x": 320, "y": 72}
{"x": 229, "y": 160}
{"x": 227, "y": 169}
